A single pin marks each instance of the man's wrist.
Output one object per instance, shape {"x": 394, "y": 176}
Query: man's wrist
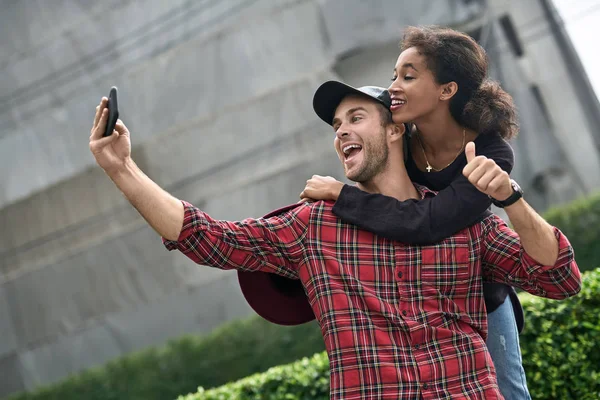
{"x": 123, "y": 171}
{"x": 505, "y": 194}
{"x": 514, "y": 196}
{"x": 125, "y": 167}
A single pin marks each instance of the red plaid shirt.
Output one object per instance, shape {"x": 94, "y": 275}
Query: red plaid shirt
{"x": 399, "y": 321}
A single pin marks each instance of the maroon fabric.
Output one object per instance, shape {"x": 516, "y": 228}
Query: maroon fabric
{"x": 275, "y": 298}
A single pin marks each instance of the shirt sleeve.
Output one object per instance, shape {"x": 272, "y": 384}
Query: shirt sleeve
{"x": 505, "y": 261}
{"x": 272, "y": 244}
{"x": 427, "y": 221}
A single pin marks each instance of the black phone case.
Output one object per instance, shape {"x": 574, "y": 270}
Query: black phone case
{"x": 113, "y": 112}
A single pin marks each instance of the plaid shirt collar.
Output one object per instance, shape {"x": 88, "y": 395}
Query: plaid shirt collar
{"x": 424, "y": 191}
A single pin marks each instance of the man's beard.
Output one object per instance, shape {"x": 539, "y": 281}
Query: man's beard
{"x": 375, "y": 159}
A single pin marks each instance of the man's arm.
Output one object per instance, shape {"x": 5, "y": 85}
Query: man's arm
{"x": 161, "y": 210}
{"x": 270, "y": 245}
{"x": 535, "y": 256}
{"x": 113, "y": 153}
{"x": 537, "y": 236}
{"x": 274, "y": 244}
{"x": 505, "y": 260}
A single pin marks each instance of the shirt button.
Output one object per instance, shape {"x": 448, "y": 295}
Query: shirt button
{"x": 404, "y": 312}
{"x": 417, "y": 347}
{"x": 425, "y": 385}
{"x": 400, "y": 274}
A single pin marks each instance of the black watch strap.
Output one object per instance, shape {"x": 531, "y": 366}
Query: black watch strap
{"x": 512, "y": 199}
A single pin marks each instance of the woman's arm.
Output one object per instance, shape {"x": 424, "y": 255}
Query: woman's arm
{"x": 430, "y": 220}
{"x": 414, "y": 221}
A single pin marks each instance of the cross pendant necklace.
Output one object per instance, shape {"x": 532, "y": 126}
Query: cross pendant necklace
{"x": 429, "y": 167}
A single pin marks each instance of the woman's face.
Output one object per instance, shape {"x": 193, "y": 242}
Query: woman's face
{"x": 414, "y": 90}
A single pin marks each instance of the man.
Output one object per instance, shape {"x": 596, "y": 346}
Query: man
{"x": 398, "y": 321}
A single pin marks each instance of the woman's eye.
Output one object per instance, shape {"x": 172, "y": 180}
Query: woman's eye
{"x": 394, "y": 78}
{"x": 408, "y": 78}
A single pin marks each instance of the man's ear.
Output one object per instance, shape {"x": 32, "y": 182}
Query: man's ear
{"x": 448, "y": 90}
{"x": 397, "y": 131}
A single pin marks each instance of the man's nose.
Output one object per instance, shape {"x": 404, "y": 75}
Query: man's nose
{"x": 341, "y": 132}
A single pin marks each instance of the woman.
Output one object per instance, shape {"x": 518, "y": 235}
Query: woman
{"x": 440, "y": 86}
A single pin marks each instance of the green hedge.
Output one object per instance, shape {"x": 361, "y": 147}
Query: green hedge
{"x": 580, "y": 222}
{"x": 231, "y": 352}
{"x": 561, "y": 344}
{"x": 304, "y": 379}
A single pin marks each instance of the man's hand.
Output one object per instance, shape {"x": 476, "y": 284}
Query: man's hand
{"x": 113, "y": 151}
{"x": 162, "y": 211}
{"x": 486, "y": 175}
{"x": 321, "y": 188}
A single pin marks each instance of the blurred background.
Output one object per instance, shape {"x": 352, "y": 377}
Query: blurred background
{"x": 217, "y": 95}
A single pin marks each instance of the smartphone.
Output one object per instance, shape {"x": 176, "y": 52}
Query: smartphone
{"x": 113, "y": 111}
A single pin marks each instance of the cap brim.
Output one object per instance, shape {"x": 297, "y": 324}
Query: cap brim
{"x": 277, "y": 299}
{"x": 328, "y": 97}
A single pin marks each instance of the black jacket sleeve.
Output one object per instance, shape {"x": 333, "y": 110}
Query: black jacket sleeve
{"x": 430, "y": 220}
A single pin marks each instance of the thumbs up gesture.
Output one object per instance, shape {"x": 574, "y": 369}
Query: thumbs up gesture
{"x": 486, "y": 175}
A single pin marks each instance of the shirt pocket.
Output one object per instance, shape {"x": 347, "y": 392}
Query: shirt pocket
{"x": 445, "y": 266}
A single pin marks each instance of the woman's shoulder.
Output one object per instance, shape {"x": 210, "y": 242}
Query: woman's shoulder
{"x": 492, "y": 141}
{"x": 495, "y": 147}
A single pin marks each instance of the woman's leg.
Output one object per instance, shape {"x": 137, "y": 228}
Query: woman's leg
{"x": 503, "y": 344}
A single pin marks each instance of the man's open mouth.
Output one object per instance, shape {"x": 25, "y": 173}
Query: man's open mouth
{"x": 350, "y": 150}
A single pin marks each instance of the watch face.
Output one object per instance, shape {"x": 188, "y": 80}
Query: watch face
{"x": 515, "y": 186}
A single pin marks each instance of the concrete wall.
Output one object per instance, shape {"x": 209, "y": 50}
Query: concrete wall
{"x": 217, "y": 95}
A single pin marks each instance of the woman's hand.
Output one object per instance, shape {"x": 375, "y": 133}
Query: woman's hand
{"x": 321, "y": 188}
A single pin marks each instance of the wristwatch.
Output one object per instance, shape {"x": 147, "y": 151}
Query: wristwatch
{"x": 517, "y": 194}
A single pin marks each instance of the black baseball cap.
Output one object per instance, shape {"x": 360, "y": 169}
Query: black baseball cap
{"x": 329, "y": 95}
